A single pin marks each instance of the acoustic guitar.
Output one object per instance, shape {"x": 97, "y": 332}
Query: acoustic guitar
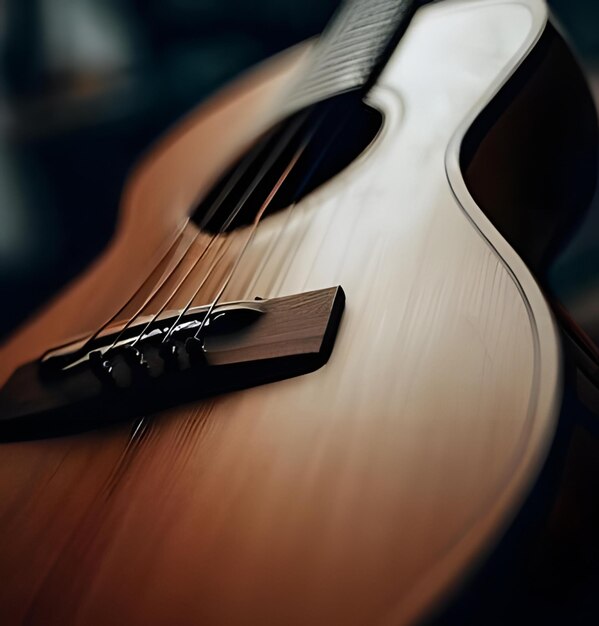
{"x": 313, "y": 378}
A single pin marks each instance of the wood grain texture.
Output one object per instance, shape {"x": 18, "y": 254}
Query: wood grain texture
{"x": 362, "y": 493}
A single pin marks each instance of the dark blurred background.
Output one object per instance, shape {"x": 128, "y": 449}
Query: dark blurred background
{"x": 87, "y": 85}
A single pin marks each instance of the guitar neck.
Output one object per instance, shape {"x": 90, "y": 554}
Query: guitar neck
{"x": 353, "y": 49}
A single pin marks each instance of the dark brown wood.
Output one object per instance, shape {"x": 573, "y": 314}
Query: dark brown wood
{"x": 533, "y": 185}
{"x": 293, "y": 335}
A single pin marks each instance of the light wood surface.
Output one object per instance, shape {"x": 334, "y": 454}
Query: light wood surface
{"x": 363, "y": 493}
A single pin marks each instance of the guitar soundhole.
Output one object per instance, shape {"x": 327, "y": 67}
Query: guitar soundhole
{"x": 330, "y": 136}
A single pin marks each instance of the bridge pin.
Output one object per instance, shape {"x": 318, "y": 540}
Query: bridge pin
{"x": 169, "y": 353}
{"x": 196, "y": 351}
{"x": 134, "y": 358}
{"x": 102, "y": 367}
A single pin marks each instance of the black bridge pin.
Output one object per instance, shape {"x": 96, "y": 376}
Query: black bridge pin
{"x": 102, "y": 367}
{"x": 195, "y": 348}
{"x": 135, "y": 359}
{"x": 169, "y": 353}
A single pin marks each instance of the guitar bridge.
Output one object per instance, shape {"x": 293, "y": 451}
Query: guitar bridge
{"x": 130, "y": 372}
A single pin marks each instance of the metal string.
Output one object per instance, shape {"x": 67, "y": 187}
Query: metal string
{"x": 116, "y": 315}
{"x": 238, "y": 174}
{"x": 235, "y": 178}
{"x": 282, "y": 144}
{"x": 254, "y": 227}
{"x": 177, "y": 288}
{"x": 298, "y": 193}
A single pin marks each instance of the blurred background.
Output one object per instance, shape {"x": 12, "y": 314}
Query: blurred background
{"x": 87, "y": 85}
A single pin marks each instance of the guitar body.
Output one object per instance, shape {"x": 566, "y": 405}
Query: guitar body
{"x": 367, "y": 491}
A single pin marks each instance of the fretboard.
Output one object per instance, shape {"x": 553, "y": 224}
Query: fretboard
{"x": 353, "y": 49}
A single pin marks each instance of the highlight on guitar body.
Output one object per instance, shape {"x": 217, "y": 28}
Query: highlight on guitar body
{"x": 318, "y": 372}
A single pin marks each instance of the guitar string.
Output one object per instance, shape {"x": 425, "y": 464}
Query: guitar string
{"x": 280, "y": 147}
{"x": 177, "y": 288}
{"x": 276, "y": 152}
{"x": 238, "y": 174}
{"x": 154, "y": 292}
{"x": 251, "y": 234}
{"x": 278, "y": 236}
{"x": 179, "y": 236}
{"x": 256, "y": 222}
{"x": 275, "y": 239}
